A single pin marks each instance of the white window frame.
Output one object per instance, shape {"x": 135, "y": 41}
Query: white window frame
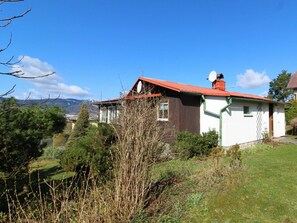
{"x": 161, "y": 105}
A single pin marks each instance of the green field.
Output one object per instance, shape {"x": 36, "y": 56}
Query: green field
{"x": 264, "y": 189}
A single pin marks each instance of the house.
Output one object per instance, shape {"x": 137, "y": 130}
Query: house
{"x": 293, "y": 84}
{"x": 72, "y": 119}
{"x": 238, "y": 118}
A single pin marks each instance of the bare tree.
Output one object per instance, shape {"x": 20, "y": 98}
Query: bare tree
{"x": 139, "y": 136}
{"x": 11, "y": 62}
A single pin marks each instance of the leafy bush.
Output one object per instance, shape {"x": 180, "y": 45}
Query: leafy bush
{"x": 189, "y": 145}
{"x": 74, "y": 158}
{"x": 90, "y": 152}
{"x": 50, "y": 152}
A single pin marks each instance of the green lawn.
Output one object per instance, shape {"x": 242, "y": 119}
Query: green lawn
{"x": 263, "y": 190}
{"x": 50, "y": 169}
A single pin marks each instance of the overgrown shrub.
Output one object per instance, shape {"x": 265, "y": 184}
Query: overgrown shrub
{"x": 217, "y": 154}
{"x": 235, "y": 156}
{"x": 139, "y": 136}
{"x": 189, "y": 145}
{"x": 91, "y": 152}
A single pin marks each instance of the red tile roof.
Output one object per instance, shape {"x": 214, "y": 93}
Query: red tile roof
{"x": 185, "y": 88}
{"x": 197, "y": 90}
{"x": 293, "y": 81}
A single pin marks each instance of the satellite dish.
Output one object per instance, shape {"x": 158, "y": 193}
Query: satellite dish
{"x": 139, "y": 86}
{"x": 212, "y": 76}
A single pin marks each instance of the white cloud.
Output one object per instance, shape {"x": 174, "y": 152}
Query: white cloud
{"x": 264, "y": 94}
{"x": 51, "y": 85}
{"x": 252, "y": 79}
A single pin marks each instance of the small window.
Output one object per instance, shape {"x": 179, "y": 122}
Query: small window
{"x": 163, "y": 111}
{"x": 246, "y": 111}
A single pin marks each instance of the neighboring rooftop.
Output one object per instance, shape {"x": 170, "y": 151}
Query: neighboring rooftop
{"x": 293, "y": 81}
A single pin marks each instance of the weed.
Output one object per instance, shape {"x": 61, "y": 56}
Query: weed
{"x": 266, "y": 138}
{"x": 216, "y": 155}
{"x": 235, "y": 157}
{"x": 194, "y": 199}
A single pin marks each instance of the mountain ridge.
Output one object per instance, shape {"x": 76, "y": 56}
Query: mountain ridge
{"x": 70, "y": 106}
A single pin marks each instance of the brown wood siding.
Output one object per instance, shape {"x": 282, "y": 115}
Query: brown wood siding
{"x": 184, "y": 111}
{"x": 189, "y": 113}
{"x": 172, "y": 125}
{"x": 184, "y": 114}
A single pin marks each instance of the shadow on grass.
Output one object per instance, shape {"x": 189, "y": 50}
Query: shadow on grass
{"x": 28, "y": 185}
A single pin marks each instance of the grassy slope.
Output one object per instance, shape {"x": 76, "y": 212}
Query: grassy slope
{"x": 263, "y": 190}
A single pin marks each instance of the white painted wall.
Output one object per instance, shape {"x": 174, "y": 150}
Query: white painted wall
{"x": 238, "y": 128}
{"x": 213, "y": 104}
{"x": 279, "y": 124}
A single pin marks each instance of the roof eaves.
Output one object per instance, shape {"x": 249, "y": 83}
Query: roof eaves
{"x": 111, "y": 101}
{"x": 159, "y": 83}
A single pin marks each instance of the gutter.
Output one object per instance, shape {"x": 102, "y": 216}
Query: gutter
{"x": 221, "y": 120}
{"x": 207, "y": 111}
{"x": 220, "y": 116}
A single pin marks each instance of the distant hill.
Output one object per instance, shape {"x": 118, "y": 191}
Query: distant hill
{"x": 70, "y": 106}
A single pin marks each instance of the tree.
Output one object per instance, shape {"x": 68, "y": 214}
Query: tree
{"x": 278, "y": 87}
{"x": 291, "y": 111}
{"x": 81, "y": 125}
{"x": 91, "y": 152}
{"x": 11, "y": 62}
{"x": 22, "y": 130}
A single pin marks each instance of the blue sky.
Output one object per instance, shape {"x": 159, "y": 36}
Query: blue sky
{"x": 100, "y": 47}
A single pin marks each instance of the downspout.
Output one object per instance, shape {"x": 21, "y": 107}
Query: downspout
{"x": 220, "y": 116}
{"x": 206, "y": 111}
{"x": 221, "y": 120}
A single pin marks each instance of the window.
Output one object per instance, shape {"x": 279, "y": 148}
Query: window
{"x": 163, "y": 111}
{"x": 103, "y": 115}
{"x": 112, "y": 113}
{"x": 246, "y": 111}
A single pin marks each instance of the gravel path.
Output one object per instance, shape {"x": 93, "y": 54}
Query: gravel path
{"x": 287, "y": 139}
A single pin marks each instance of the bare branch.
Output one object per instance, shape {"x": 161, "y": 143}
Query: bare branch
{"x": 20, "y": 74}
{"x": 9, "y": 20}
{"x": 9, "y": 62}
{"x": 8, "y": 44}
{"x": 40, "y": 101}
{"x": 3, "y": 1}
{"x": 10, "y": 91}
